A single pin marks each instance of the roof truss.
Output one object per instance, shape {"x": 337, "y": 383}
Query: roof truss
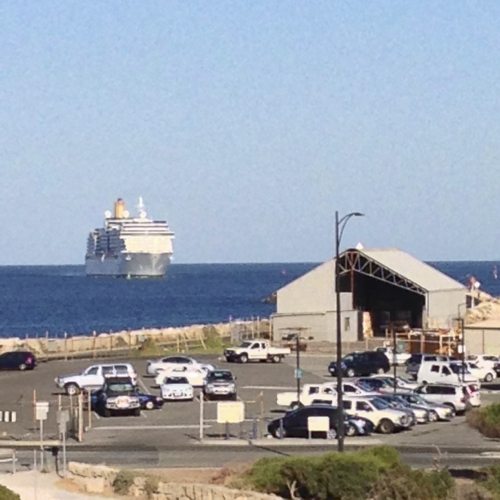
{"x": 352, "y": 260}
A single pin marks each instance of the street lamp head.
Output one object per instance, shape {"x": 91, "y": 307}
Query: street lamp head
{"x": 358, "y": 214}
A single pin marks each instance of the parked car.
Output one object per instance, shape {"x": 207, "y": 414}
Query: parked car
{"x": 148, "y": 401}
{"x": 359, "y": 364}
{"x": 18, "y": 360}
{"x": 420, "y": 415}
{"x": 456, "y": 397}
{"x": 118, "y": 397}
{"x": 93, "y": 377}
{"x": 176, "y": 389}
{"x": 394, "y": 357}
{"x": 356, "y": 389}
{"x": 401, "y": 382}
{"x": 413, "y": 364}
{"x": 309, "y": 392}
{"x": 484, "y": 360}
{"x": 256, "y": 350}
{"x": 295, "y": 422}
{"x": 436, "y": 411}
{"x": 155, "y": 366}
{"x": 220, "y": 384}
{"x": 442, "y": 371}
{"x": 482, "y": 373}
{"x": 384, "y": 418}
{"x": 374, "y": 385}
{"x": 195, "y": 375}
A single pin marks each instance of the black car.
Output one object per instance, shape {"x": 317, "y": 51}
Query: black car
{"x": 117, "y": 396}
{"x": 18, "y": 360}
{"x": 148, "y": 401}
{"x": 295, "y": 422}
{"x": 358, "y": 364}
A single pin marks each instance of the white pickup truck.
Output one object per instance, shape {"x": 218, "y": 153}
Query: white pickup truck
{"x": 309, "y": 393}
{"x": 256, "y": 350}
{"x": 395, "y": 358}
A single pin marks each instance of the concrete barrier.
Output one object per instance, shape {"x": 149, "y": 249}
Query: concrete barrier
{"x": 99, "y": 479}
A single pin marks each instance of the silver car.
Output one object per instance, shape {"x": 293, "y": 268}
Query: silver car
{"x": 418, "y": 415}
{"x": 436, "y": 411}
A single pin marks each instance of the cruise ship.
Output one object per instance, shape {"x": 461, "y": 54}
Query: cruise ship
{"x": 129, "y": 246}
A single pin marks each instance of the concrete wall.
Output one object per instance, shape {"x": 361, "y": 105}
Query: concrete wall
{"x": 443, "y": 306}
{"x": 482, "y": 341}
{"x": 99, "y": 479}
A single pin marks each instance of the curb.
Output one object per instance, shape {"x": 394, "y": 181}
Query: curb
{"x": 272, "y": 442}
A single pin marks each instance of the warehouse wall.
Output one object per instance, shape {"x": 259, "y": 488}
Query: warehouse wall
{"x": 443, "y": 307}
{"x": 482, "y": 341}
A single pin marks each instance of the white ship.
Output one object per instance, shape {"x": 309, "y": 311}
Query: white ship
{"x": 129, "y": 246}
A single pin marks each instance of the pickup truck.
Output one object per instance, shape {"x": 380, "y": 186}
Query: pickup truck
{"x": 255, "y": 350}
{"x": 309, "y": 393}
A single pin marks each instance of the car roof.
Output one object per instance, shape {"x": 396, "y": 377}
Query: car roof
{"x": 111, "y": 380}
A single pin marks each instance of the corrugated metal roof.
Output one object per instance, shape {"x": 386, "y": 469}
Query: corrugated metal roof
{"x": 407, "y": 266}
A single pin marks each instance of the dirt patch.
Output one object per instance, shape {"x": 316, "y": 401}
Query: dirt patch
{"x": 206, "y": 475}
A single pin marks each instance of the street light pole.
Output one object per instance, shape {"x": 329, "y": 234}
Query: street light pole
{"x": 339, "y": 230}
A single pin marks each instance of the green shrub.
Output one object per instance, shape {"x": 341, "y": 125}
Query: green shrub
{"x": 265, "y": 476}
{"x": 491, "y": 479}
{"x": 123, "y": 481}
{"x": 486, "y": 420}
{"x": 6, "y": 494}
{"x": 151, "y": 485}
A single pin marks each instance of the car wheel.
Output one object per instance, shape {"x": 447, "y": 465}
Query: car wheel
{"x": 433, "y": 416}
{"x": 488, "y": 378}
{"x": 22, "y": 367}
{"x": 244, "y": 358}
{"x": 150, "y": 405}
{"x": 332, "y": 433}
{"x": 350, "y": 372}
{"x": 234, "y": 397}
{"x": 137, "y": 412}
{"x": 276, "y": 359}
{"x": 452, "y": 406}
{"x": 72, "y": 389}
{"x": 380, "y": 371}
{"x": 106, "y": 413}
{"x": 386, "y": 426}
{"x": 276, "y": 433}
{"x": 350, "y": 430}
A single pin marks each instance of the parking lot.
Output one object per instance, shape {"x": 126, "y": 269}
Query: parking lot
{"x": 177, "y": 423}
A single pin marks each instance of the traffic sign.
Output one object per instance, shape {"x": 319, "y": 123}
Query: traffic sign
{"x": 298, "y": 373}
{"x": 42, "y": 409}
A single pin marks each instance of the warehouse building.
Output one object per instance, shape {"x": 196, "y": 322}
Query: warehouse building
{"x": 483, "y": 337}
{"x": 380, "y": 289}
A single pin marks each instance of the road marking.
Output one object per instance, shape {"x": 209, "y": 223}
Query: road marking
{"x": 147, "y": 427}
{"x": 96, "y": 415}
{"x": 143, "y": 385}
{"x": 269, "y": 387}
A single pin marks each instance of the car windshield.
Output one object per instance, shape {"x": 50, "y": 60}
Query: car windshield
{"x": 363, "y": 385}
{"x": 373, "y": 383}
{"x": 389, "y": 381}
{"x": 380, "y": 404}
{"x": 455, "y": 368}
{"x": 403, "y": 380}
{"x": 120, "y": 387}
{"x": 176, "y": 380}
{"x": 223, "y": 376}
{"x": 246, "y": 344}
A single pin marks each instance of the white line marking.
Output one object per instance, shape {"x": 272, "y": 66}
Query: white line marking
{"x": 143, "y": 385}
{"x": 147, "y": 427}
{"x": 96, "y": 415}
{"x": 270, "y": 387}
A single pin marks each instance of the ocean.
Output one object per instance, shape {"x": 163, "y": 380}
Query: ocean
{"x": 57, "y": 299}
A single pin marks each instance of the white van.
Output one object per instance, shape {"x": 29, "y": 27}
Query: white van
{"x": 443, "y": 372}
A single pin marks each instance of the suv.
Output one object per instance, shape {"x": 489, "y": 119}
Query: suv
{"x": 456, "y": 397}
{"x": 220, "y": 384}
{"x": 118, "y": 395}
{"x": 94, "y": 376}
{"x": 358, "y": 364}
{"x": 17, "y": 360}
{"x": 413, "y": 364}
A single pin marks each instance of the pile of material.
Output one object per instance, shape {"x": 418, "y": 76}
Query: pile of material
{"x": 489, "y": 308}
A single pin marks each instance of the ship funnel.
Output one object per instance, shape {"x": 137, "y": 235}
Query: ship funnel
{"x": 119, "y": 209}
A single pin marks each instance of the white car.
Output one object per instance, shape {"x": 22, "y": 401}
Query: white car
{"x": 384, "y": 418}
{"x": 483, "y": 373}
{"x": 483, "y": 360}
{"x": 395, "y": 358}
{"x": 153, "y": 367}
{"x": 195, "y": 376}
{"x": 308, "y": 394}
{"x": 444, "y": 372}
{"x": 456, "y": 397}
{"x": 176, "y": 389}
{"x": 401, "y": 382}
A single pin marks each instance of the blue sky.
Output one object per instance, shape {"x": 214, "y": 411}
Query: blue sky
{"x": 247, "y": 124}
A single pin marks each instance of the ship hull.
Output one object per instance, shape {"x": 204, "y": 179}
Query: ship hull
{"x": 134, "y": 265}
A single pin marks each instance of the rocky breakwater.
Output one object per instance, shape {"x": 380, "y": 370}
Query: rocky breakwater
{"x": 102, "y": 479}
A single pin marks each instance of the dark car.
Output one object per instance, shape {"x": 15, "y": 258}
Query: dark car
{"x": 358, "y": 364}
{"x": 148, "y": 401}
{"x": 295, "y": 422}
{"x": 18, "y": 360}
{"x": 117, "y": 396}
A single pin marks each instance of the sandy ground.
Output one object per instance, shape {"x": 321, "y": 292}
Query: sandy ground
{"x": 35, "y": 486}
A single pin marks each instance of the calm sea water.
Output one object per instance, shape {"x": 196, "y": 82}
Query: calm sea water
{"x": 58, "y": 299}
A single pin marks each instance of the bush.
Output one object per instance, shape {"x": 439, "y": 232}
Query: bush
{"x": 6, "y": 494}
{"x": 491, "y": 479}
{"x": 123, "y": 481}
{"x": 151, "y": 485}
{"x": 486, "y": 420}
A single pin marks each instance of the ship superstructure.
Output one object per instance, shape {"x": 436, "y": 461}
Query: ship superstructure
{"x": 129, "y": 246}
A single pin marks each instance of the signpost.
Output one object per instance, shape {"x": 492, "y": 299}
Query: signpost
{"x": 41, "y": 412}
{"x": 62, "y": 420}
{"x": 230, "y": 413}
{"x": 318, "y": 424}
